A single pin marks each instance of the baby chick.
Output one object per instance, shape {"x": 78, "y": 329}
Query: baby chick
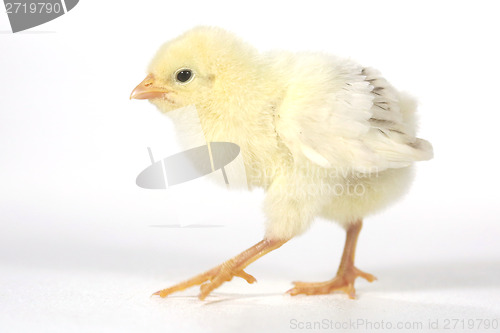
{"x": 324, "y": 136}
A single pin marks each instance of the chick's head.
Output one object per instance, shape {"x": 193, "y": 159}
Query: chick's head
{"x": 193, "y": 68}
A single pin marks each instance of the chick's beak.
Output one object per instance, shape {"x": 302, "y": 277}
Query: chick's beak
{"x": 147, "y": 89}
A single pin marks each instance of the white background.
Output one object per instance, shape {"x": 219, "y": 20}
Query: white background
{"x": 79, "y": 243}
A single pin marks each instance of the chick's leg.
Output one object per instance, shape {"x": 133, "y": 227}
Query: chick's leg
{"x": 346, "y": 274}
{"x": 216, "y": 276}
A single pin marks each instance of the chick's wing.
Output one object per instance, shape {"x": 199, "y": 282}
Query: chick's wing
{"x": 336, "y": 113}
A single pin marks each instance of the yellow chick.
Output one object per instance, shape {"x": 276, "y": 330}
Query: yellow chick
{"x": 324, "y": 136}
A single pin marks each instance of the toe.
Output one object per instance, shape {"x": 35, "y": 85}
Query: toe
{"x": 244, "y": 275}
{"x": 205, "y": 290}
{"x": 350, "y": 291}
{"x": 368, "y": 277}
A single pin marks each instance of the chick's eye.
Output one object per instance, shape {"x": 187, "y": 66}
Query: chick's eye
{"x": 184, "y": 75}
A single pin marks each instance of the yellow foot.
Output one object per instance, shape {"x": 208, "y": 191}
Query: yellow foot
{"x": 210, "y": 280}
{"x": 343, "y": 281}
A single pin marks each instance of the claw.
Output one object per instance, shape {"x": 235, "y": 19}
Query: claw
{"x": 159, "y": 293}
{"x": 162, "y": 293}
